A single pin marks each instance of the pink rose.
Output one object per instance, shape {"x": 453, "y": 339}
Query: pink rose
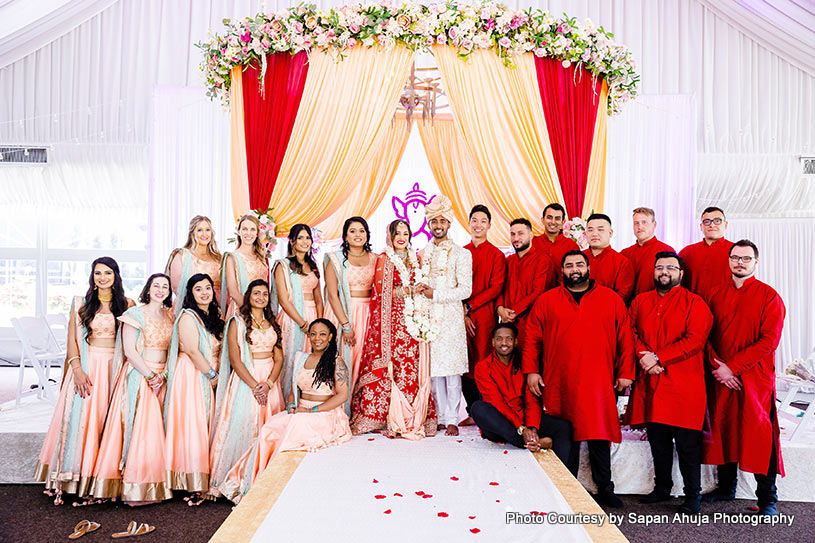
{"x": 298, "y": 27}
{"x": 350, "y": 43}
{"x": 563, "y": 29}
{"x": 540, "y": 52}
{"x": 441, "y": 39}
{"x": 566, "y": 63}
{"x": 311, "y": 22}
{"x": 504, "y": 42}
{"x": 453, "y": 32}
{"x": 403, "y": 20}
{"x": 430, "y": 41}
{"x": 246, "y": 38}
{"x": 276, "y": 25}
{"x": 490, "y": 25}
{"x": 353, "y": 29}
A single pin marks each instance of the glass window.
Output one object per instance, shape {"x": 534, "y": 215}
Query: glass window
{"x": 18, "y": 289}
{"x": 18, "y": 227}
{"x": 99, "y": 229}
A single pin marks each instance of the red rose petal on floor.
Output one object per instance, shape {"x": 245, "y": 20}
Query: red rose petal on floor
{"x": 442, "y": 514}
{"x": 420, "y": 493}
{"x": 376, "y": 481}
{"x": 506, "y": 452}
{"x": 454, "y": 478}
{"x": 493, "y": 483}
{"x": 397, "y": 494}
{"x": 460, "y": 441}
{"x": 533, "y": 513}
{"x": 380, "y": 496}
{"x": 427, "y": 496}
{"x": 474, "y": 530}
{"x": 497, "y": 501}
{"x": 387, "y": 511}
{"x": 472, "y": 517}
{"x": 753, "y": 508}
{"x": 370, "y": 439}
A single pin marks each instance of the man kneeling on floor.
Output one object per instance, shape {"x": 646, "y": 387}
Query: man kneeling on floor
{"x": 500, "y": 412}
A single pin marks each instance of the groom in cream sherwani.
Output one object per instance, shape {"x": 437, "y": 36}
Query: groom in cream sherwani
{"x": 451, "y": 281}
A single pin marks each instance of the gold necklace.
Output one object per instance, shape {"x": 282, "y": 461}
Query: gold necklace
{"x": 360, "y": 254}
{"x": 105, "y": 297}
{"x": 258, "y": 324}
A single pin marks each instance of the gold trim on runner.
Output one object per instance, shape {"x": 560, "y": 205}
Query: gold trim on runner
{"x": 249, "y": 514}
{"x": 578, "y": 499}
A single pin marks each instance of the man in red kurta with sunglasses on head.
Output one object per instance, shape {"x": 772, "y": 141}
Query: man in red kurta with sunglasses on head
{"x": 706, "y": 264}
{"x": 748, "y": 317}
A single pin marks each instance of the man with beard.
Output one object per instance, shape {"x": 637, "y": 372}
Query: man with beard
{"x": 579, "y": 342}
{"x": 501, "y": 412}
{"x": 671, "y": 326}
{"x": 449, "y": 283}
{"x": 642, "y": 253}
{"x": 489, "y": 270}
{"x": 706, "y": 262}
{"x": 608, "y": 267}
{"x": 528, "y": 273}
{"x": 748, "y": 317}
{"x": 552, "y": 242}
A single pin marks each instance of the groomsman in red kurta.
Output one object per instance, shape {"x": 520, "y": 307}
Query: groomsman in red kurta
{"x": 489, "y": 270}
{"x": 608, "y": 267}
{"x": 671, "y": 325}
{"x": 528, "y": 273}
{"x": 500, "y": 412}
{"x": 748, "y": 317}
{"x": 642, "y": 253}
{"x": 579, "y": 341}
{"x": 552, "y": 242}
{"x": 706, "y": 262}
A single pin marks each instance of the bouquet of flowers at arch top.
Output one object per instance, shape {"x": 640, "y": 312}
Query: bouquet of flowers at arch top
{"x": 465, "y": 26}
{"x": 575, "y": 229}
{"x": 267, "y": 232}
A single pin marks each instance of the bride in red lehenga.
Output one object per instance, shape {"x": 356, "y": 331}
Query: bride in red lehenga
{"x": 393, "y": 391}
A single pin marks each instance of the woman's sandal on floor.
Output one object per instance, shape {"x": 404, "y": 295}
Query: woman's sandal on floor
{"x": 84, "y": 527}
{"x": 134, "y": 529}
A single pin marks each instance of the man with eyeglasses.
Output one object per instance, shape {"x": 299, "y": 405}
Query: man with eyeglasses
{"x": 706, "y": 261}
{"x": 642, "y": 253}
{"x": 579, "y": 349}
{"x": 748, "y": 317}
{"x": 671, "y": 327}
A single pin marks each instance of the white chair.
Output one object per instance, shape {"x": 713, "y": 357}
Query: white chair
{"x": 40, "y": 350}
{"x": 796, "y": 391}
{"x": 58, "y": 324}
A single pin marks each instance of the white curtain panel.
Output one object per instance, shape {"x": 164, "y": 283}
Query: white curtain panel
{"x": 650, "y": 162}
{"x": 786, "y": 262}
{"x": 189, "y": 171}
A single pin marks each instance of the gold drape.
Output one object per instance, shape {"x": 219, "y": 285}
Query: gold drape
{"x": 457, "y": 175}
{"x": 239, "y": 177}
{"x": 499, "y": 113}
{"x": 372, "y": 183}
{"x": 596, "y": 185}
{"x": 344, "y": 115}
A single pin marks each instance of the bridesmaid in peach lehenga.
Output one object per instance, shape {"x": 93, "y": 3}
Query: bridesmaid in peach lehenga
{"x": 131, "y": 457}
{"x": 243, "y": 266}
{"x": 200, "y": 254}
{"x": 393, "y": 391}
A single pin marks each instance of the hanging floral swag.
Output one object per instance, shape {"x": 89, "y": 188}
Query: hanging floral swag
{"x": 417, "y": 26}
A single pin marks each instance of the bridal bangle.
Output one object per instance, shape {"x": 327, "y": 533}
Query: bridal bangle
{"x": 211, "y": 374}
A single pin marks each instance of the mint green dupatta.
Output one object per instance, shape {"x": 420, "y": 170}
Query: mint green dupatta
{"x": 293, "y": 337}
{"x": 340, "y": 264}
{"x": 204, "y": 347}
{"x": 243, "y": 278}
{"x": 186, "y": 273}
{"x": 136, "y": 318}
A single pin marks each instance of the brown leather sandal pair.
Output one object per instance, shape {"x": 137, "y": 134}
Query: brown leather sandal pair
{"x": 133, "y": 529}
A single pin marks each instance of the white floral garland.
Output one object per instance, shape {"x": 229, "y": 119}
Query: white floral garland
{"x": 417, "y": 314}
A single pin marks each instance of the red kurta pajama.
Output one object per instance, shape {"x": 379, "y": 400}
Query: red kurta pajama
{"x": 502, "y": 388}
{"x": 613, "y": 270}
{"x": 555, "y": 250}
{"x": 489, "y": 271}
{"x": 706, "y": 266}
{"x": 675, "y": 327}
{"x": 747, "y": 324}
{"x": 526, "y": 279}
{"x": 642, "y": 258}
{"x": 580, "y": 350}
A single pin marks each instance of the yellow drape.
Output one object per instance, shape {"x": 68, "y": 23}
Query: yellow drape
{"x": 239, "y": 175}
{"x": 372, "y": 183}
{"x": 457, "y": 176}
{"x": 344, "y": 115}
{"x": 499, "y": 113}
{"x": 596, "y": 185}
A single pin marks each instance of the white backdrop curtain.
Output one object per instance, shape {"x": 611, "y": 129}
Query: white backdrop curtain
{"x": 189, "y": 172}
{"x": 650, "y": 162}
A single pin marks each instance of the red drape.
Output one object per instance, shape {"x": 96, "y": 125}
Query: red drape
{"x": 570, "y": 100}
{"x": 268, "y": 117}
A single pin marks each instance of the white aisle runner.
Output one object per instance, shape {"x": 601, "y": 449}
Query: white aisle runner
{"x": 437, "y": 489}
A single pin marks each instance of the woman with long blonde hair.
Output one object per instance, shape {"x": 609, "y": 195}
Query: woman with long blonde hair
{"x": 245, "y": 264}
{"x": 199, "y": 254}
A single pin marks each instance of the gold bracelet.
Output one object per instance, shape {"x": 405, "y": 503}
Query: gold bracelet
{"x": 72, "y": 359}
{"x": 270, "y": 382}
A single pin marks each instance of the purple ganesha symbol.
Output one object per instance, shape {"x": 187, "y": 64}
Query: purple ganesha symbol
{"x": 412, "y": 210}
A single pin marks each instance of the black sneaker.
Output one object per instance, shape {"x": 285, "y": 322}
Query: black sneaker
{"x": 719, "y": 495}
{"x": 691, "y": 505}
{"x": 655, "y": 496}
{"x": 608, "y": 498}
